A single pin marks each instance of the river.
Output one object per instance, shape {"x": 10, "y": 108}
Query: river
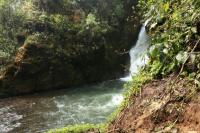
{"x": 87, "y": 104}
{"x": 44, "y": 111}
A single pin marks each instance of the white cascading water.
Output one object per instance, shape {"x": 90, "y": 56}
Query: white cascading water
{"x": 138, "y": 54}
{"x": 56, "y": 109}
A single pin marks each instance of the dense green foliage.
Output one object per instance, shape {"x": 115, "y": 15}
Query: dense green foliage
{"x": 10, "y": 21}
{"x": 62, "y": 22}
{"x": 63, "y": 40}
{"x": 172, "y": 25}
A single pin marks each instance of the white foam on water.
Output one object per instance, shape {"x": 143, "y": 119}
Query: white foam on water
{"x": 117, "y": 99}
{"x": 9, "y": 120}
{"x": 80, "y": 106}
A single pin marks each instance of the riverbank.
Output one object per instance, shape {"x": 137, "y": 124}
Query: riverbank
{"x": 164, "y": 97}
{"x": 170, "y": 101}
{"x": 161, "y": 106}
{"x": 151, "y": 105}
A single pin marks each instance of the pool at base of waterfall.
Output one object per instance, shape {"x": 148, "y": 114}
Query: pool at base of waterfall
{"x": 56, "y": 109}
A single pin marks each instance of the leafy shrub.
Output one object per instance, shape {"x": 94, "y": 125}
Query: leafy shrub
{"x": 173, "y": 31}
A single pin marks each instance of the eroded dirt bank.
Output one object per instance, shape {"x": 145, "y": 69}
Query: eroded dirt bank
{"x": 159, "y": 109}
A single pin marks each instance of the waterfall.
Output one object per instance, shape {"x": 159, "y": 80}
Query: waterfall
{"x": 138, "y": 54}
{"x": 84, "y": 104}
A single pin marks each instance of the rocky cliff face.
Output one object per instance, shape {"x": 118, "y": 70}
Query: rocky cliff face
{"x": 67, "y": 43}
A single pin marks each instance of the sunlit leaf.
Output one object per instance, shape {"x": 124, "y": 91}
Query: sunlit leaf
{"x": 181, "y": 57}
{"x": 166, "y": 7}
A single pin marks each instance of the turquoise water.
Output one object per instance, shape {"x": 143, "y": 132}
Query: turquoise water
{"x": 87, "y": 104}
{"x": 41, "y": 112}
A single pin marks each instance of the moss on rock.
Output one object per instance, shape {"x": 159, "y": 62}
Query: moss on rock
{"x": 78, "y": 43}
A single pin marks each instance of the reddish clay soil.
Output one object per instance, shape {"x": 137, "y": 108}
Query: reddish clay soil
{"x": 164, "y": 106}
